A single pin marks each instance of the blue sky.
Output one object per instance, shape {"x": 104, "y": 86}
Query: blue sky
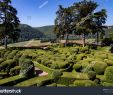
{"x": 42, "y": 12}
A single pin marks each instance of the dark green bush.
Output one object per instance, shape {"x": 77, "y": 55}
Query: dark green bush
{"x": 109, "y": 62}
{"x": 107, "y": 41}
{"x": 99, "y": 67}
{"x": 81, "y": 56}
{"x": 91, "y": 75}
{"x": 84, "y": 49}
{"x": 77, "y": 67}
{"x": 85, "y": 83}
{"x": 65, "y": 81}
{"x": 12, "y": 54}
{"x": 2, "y": 52}
{"x": 1, "y": 60}
{"x": 6, "y": 54}
{"x": 24, "y": 56}
{"x": 15, "y": 71}
{"x": 55, "y": 75}
{"x": 7, "y": 65}
{"x": 97, "y": 80}
{"x": 109, "y": 74}
{"x": 27, "y": 68}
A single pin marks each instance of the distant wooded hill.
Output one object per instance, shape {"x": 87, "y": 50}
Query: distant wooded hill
{"x": 47, "y": 31}
{"x": 28, "y": 32}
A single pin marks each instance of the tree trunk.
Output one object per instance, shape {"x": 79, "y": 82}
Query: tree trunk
{"x": 97, "y": 37}
{"x": 66, "y": 39}
{"x": 5, "y": 42}
{"x": 83, "y": 39}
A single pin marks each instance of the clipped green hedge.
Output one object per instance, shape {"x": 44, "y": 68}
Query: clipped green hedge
{"x": 11, "y": 80}
{"x": 12, "y": 54}
{"x": 42, "y": 67}
{"x": 36, "y": 81}
{"x": 85, "y": 83}
{"x": 15, "y": 71}
{"x": 7, "y": 65}
{"x": 65, "y": 81}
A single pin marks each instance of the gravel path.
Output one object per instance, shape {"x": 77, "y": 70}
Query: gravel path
{"x": 40, "y": 72}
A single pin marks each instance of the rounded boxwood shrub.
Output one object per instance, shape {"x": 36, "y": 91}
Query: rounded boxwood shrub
{"x": 77, "y": 67}
{"x": 85, "y": 83}
{"x": 84, "y": 49}
{"x": 97, "y": 80}
{"x": 15, "y": 71}
{"x": 91, "y": 75}
{"x": 7, "y": 65}
{"x": 2, "y": 52}
{"x": 27, "y": 68}
{"x": 109, "y": 62}
{"x": 6, "y": 54}
{"x": 101, "y": 56}
{"x": 1, "y": 60}
{"x": 99, "y": 67}
{"x": 109, "y": 74}
{"x": 12, "y": 54}
{"x": 55, "y": 75}
{"x": 54, "y": 66}
{"x": 81, "y": 56}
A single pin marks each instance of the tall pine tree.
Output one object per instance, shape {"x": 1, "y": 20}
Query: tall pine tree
{"x": 9, "y": 22}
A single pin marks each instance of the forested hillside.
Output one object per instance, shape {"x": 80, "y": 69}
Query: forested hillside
{"x": 47, "y": 31}
{"x": 28, "y": 32}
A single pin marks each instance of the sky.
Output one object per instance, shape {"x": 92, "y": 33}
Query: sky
{"x": 37, "y": 13}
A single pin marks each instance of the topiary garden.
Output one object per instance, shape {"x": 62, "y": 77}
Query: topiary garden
{"x": 65, "y": 66}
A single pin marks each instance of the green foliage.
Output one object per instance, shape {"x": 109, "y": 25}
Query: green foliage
{"x": 85, "y": 83}
{"x": 12, "y": 54}
{"x": 7, "y": 65}
{"x": 11, "y": 80}
{"x": 35, "y": 81}
{"x": 81, "y": 56}
{"x": 106, "y": 84}
{"x": 109, "y": 62}
{"x": 2, "y": 52}
{"x": 107, "y": 41}
{"x": 91, "y": 75}
{"x": 99, "y": 67}
{"x": 84, "y": 49}
{"x": 1, "y": 60}
{"x": 28, "y": 32}
{"x": 109, "y": 74}
{"x": 6, "y": 54}
{"x": 27, "y": 69}
{"x": 15, "y": 71}
{"x": 65, "y": 81}
{"x": 77, "y": 67}
{"x": 42, "y": 67}
{"x": 55, "y": 75}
